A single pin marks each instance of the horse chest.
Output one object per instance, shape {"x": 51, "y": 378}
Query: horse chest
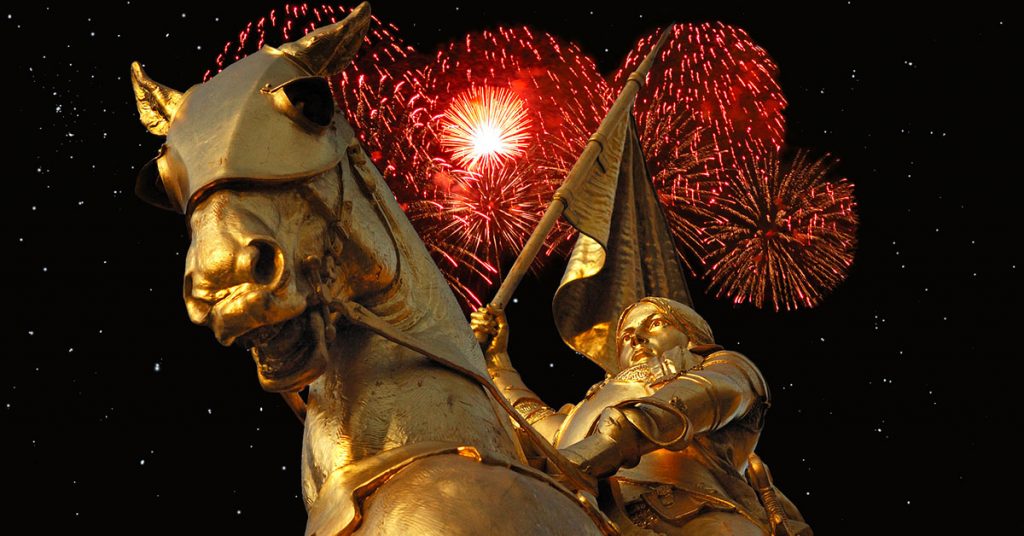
{"x": 370, "y": 413}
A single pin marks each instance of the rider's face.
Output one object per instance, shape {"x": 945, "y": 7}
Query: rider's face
{"x": 647, "y": 333}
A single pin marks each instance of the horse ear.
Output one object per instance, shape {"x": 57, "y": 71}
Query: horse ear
{"x": 329, "y": 50}
{"x": 157, "y": 103}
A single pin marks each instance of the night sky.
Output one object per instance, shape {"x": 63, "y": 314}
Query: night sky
{"x": 893, "y": 400}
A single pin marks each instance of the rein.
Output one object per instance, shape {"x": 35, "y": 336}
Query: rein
{"x": 338, "y": 223}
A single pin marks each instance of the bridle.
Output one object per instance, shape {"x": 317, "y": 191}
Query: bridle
{"x": 338, "y": 225}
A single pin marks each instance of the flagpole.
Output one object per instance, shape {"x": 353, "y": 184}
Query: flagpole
{"x": 579, "y": 172}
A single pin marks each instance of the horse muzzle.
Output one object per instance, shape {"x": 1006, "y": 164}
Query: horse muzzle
{"x": 291, "y": 354}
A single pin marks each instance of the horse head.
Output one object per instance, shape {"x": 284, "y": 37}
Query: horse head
{"x": 258, "y": 160}
{"x": 293, "y": 233}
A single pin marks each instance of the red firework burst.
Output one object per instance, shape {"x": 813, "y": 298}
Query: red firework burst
{"x": 485, "y": 128}
{"x": 480, "y": 218}
{"x": 713, "y": 96}
{"x": 719, "y": 75}
{"x": 481, "y": 214}
{"x": 292, "y": 21}
{"x": 678, "y": 158}
{"x": 372, "y": 92}
{"x": 782, "y": 233}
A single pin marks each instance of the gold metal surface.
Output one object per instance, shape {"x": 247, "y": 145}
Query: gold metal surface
{"x": 156, "y": 103}
{"x": 246, "y": 129}
{"x": 301, "y": 255}
{"x": 283, "y": 104}
{"x": 240, "y": 135}
{"x": 639, "y": 259}
{"x": 581, "y": 419}
{"x": 329, "y": 49}
{"x": 675, "y": 446}
{"x": 761, "y": 478}
{"x": 345, "y": 508}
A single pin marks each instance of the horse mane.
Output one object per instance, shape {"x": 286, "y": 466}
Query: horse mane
{"x": 419, "y": 302}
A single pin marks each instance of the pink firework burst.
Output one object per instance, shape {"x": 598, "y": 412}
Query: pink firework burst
{"x": 783, "y": 232}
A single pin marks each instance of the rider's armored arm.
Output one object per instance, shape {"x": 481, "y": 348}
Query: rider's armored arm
{"x": 507, "y": 379}
{"x": 524, "y": 400}
{"x": 511, "y": 384}
{"x": 726, "y": 387}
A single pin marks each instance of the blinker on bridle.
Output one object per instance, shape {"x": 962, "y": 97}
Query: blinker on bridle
{"x": 305, "y": 100}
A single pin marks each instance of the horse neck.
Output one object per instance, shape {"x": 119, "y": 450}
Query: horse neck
{"x": 377, "y": 395}
{"x": 418, "y": 301}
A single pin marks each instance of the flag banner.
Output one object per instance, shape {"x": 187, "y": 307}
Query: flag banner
{"x": 624, "y": 251}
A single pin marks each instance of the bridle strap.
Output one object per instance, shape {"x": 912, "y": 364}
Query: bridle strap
{"x": 359, "y": 315}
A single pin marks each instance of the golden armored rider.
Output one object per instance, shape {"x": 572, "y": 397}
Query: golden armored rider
{"x": 674, "y": 428}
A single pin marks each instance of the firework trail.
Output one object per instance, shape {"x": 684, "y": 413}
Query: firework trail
{"x": 713, "y": 90}
{"x": 485, "y": 128}
{"x": 474, "y": 217}
{"x": 783, "y": 232}
{"x": 475, "y": 139}
{"x": 717, "y": 74}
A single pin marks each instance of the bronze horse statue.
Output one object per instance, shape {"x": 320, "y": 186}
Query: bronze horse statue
{"x": 300, "y": 253}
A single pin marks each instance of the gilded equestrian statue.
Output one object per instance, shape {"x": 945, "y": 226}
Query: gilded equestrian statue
{"x": 300, "y": 254}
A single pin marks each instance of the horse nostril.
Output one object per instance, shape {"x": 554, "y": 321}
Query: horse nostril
{"x": 266, "y": 261}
